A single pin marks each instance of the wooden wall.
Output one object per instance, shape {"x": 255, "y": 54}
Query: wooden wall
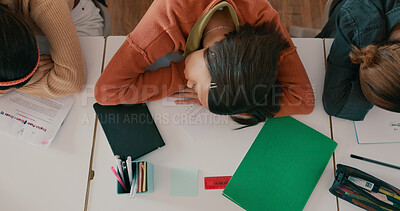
{"x": 126, "y": 14}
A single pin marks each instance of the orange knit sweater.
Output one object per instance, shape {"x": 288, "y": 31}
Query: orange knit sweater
{"x": 165, "y": 28}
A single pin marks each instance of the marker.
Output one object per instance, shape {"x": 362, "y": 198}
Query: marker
{"x": 119, "y": 179}
{"x": 125, "y": 173}
{"x": 129, "y": 164}
{"x": 373, "y": 187}
{"x": 395, "y": 201}
{"x": 386, "y": 198}
{"x": 389, "y": 193}
{"x": 144, "y": 177}
{"x": 374, "y": 161}
{"x": 118, "y": 160}
{"x": 345, "y": 190}
{"x": 133, "y": 188}
{"x": 361, "y": 204}
{"x": 365, "y": 201}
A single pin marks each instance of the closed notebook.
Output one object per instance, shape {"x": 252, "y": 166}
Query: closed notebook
{"x": 130, "y": 129}
{"x": 281, "y": 168}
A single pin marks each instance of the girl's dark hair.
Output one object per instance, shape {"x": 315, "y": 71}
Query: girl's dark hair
{"x": 244, "y": 68}
{"x": 18, "y": 47}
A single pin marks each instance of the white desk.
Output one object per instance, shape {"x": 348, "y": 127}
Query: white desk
{"x": 344, "y": 134}
{"x": 311, "y": 53}
{"x": 218, "y": 153}
{"x": 34, "y": 178}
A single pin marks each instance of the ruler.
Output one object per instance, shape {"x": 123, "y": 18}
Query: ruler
{"x": 219, "y": 182}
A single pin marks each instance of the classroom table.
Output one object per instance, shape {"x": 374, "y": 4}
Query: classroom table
{"x": 311, "y": 52}
{"x": 217, "y": 153}
{"x": 344, "y": 134}
{"x": 55, "y": 178}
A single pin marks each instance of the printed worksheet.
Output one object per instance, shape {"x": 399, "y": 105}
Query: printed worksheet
{"x": 379, "y": 126}
{"x": 31, "y": 119}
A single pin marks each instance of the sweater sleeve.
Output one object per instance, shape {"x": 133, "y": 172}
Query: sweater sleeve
{"x": 125, "y": 81}
{"x": 297, "y": 93}
{"x": 342, "y": 96}
{"x": 68, "y": 76}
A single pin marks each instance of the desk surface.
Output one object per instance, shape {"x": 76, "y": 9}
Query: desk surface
{"x": 344, "y": 134}
{"x": 219, "y": 152}
{"x": 34, "y": 178}
{"x": 312, "y": 55}
{"x": 56, "y": 178}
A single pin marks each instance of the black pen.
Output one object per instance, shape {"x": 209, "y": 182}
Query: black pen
{"x": 376, "y": 162}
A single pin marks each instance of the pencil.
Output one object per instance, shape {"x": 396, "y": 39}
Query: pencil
{"x": 119, "y": 179}
{"x": 374, "y": 161}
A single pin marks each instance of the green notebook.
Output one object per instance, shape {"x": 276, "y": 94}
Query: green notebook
{"x": 281, "y": 168}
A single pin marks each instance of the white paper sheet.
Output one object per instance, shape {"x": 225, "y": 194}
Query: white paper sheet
{"x": 193, "y": 119}
{"x": 31, "y": 119}
{"x": 379, "y": 126}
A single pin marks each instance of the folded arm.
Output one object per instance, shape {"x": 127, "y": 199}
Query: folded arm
{"x": 342, "y": 96}
{"x": 125, "y": 80}
{"x": 69, "y": 72}
{"x": 297, "y": 93}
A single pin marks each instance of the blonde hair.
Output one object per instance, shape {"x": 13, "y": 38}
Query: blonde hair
{"x": 380, "y": 74}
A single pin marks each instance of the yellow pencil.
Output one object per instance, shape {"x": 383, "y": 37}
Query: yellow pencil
{"x": 144, "y": 176}
{"x": 389, "y": 193}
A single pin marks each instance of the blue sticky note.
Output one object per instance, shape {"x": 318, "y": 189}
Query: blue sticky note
{"x": 184, "y": 182}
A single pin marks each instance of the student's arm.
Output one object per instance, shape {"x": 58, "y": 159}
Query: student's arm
{"x": 68, "y": 75}
{"x": 297, "y": 93}
{"x": 342, "y": 96}
{"x": 3, "y": 92}
{"x": 125, "y": 81}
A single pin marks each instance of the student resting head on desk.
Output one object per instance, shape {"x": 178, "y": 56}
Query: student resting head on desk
{"x": 364, "y": 60}
{"x": 240, "y": 59}
{"x": 21, "y": 65}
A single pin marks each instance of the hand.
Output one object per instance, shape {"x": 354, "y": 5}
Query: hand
{"x": 395, "y": 34}
{"x": 45, "y": 65}
{"x": 189, "y": 94}
{"x": 3, "y": 92}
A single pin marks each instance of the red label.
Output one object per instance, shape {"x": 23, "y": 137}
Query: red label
{"x": 216, "y": 182}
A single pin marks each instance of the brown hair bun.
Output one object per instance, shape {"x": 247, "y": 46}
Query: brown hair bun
{"x": 367, "y": 56}
{"x": 380, "y": 74}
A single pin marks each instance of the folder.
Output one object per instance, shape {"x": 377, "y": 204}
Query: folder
{"x": 130, "y": 129}
{"x": 281, "y": 168}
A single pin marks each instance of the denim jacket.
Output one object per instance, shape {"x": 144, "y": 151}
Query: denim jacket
{"x": 358, "y": 23}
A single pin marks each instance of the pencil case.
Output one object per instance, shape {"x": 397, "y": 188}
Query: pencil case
{"x": 143, "y": 177}
{"x": 364, "y": 190}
